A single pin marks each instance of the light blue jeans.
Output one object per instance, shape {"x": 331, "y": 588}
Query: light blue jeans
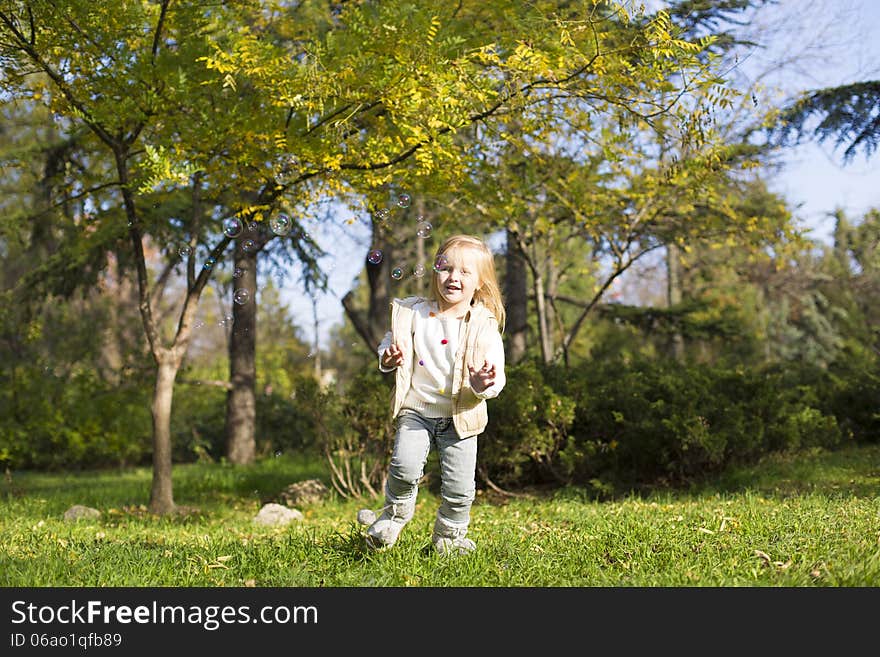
{"x": 458, "y": 462}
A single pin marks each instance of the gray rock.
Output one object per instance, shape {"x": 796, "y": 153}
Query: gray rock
{"x": 274, "y": 514}
{"x": 303, "y": 493}
{"x": 80, "y": 512}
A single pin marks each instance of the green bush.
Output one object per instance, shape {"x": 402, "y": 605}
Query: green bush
{"x": 198, "y": 420}
{"x": 852, "y": 395}
{"x": 527, "y": 430}
{"x": 285, "y": 423}
{"x": 77, "y": 421}
{"x": 665, "y": 422}
{"x": 604, "y": 425}
{"x": 354, "y": 432}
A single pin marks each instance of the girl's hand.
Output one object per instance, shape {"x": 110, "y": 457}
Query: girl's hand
{"x": 393, "y": 357}
{"x": 482, "y": 378}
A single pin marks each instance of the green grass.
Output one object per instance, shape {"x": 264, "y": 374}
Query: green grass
{"x": 811, "y": 520}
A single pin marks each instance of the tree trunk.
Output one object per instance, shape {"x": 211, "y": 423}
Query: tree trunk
{"x": 541, "y": 308}
{"x": 161, "y": 496}
{"x": 516, "y": 301}
{"x": 372, "y": 324}
{"x": 553, "y": 322}
{"x": 167, "y": 360}
{"x": 673, "y": 295}
{"x": 316, "y": 341}
{"x": 241, "y": 403}
{"x": 380, "y": 293}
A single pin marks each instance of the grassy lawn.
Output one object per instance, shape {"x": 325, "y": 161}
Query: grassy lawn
{"x": 811, "y": 520}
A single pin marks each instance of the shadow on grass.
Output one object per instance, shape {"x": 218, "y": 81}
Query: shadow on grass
{"x": 853, "y": 471}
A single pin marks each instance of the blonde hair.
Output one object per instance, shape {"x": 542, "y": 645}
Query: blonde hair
{"x": 488, "y": 292}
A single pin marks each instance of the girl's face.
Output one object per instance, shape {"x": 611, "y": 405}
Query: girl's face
{"x": 457, "y": 279}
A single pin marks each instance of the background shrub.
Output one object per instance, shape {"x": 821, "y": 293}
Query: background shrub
{"x": 528, "y": 427}
{"x": 50, "y": 422}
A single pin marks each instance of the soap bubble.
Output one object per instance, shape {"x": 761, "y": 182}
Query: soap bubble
{"x": 382, "y": 215}
{"x": 241, "y": 296}
{"x": 404, "y": 200}
{"x": 238, "y": 272}
{"x": 419, "y": 270}
{"x": 374, "y": 257}
{"x": 184, "y": 251}
{"x": 232, "y": 227}
{"x": 280, "y": 224}
{"x": 286, "y": 168}
{"x": 248, "y": 245}
{"x": 440, "y": 263}
{"x": 424, "y": 229}
{"x": 397, "y": 273}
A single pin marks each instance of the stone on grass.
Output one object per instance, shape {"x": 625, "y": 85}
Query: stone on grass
{"x": 302, "y": 493}
{"x": 80, "y": 512}
{"x": 275, "y": 514}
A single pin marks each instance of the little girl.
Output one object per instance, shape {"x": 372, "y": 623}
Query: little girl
{"x": 449, "y": 358}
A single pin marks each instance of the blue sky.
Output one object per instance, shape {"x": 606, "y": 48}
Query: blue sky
{"x": 813, "y": 44}
{"x": 826, "y": 43}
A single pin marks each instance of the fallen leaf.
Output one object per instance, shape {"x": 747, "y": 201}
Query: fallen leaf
{"x": 763, "y": 555}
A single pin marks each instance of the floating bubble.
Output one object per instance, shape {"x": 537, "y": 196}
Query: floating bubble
{"x": 440, "y": 263}
{"x": 424, "y": 229}
{"x": 374, "y": 257}
{"x": 238, "y": 272}
{"x": 419, "y": 270}
{"x": 280, "y": 224}
{"x": 185, "y": 251}
{"x": 383, "y": 214}
{"x": 286, "y": 167}
{"x": 241, "y": 296}
{"x": 397, "y": 273}
{"x": 248, "y": 245}
{"x": 232, "y": 227}
{"x": 404, "y": 200}
{"x": 209, "y": 262}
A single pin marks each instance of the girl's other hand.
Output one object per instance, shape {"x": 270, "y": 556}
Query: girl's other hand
{"x": 393, "y": 357}
{"x": 482, "y": 378}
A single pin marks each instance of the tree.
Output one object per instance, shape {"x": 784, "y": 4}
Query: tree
{"x": 123, "y": 71}
{"x": 848, "y": 115}
{"x": 592, "y": 62}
